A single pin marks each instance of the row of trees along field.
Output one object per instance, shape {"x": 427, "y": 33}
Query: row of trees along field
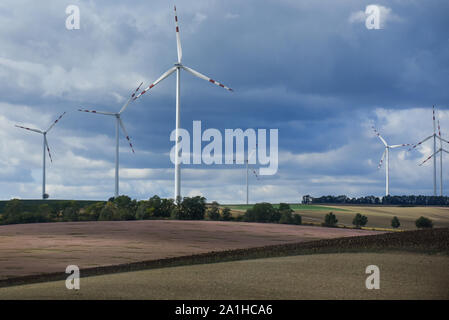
{"x": 386, "y": 200}
{"x": 189, "y": 208}
{"x": 124, "y": 208}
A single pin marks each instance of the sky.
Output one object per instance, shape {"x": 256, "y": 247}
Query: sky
{"x": 310, "y": 69}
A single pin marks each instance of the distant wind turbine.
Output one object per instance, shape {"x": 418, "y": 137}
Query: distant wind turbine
{"x": 386, "y": 155}
{"x": 440, "y": 150}
{"x": 177, "y": 67}
{"x": 118, "y": 124}
{"x": 435, "y": 137}
{"x": 45, "y": 146}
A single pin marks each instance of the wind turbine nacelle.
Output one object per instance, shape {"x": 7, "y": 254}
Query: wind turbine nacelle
{"x": 45, "y": 196}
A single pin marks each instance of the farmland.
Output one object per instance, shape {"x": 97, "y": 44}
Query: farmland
{"x": 413, "y": 265}
{"x": 378, "y": 216}
{"x": 324, "y": 276}
{"x": 31, "y": 249}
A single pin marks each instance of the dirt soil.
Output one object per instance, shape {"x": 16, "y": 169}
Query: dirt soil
{"x": 33, "y": 249}
{"x": 316, "y": 276}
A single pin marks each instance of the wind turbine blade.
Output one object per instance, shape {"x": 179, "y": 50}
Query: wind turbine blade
{"x": 433, "y": 115}
{"x": 429, "y": 158}
{"x": 382, "y": 159}
{"x": 48, "y": 149}
{"x": 400, "y": 145}
{"x": 202, "y": 76}
{"x": 30, "y": 129}
{"x": 380, "y": 137}
{"x": 98, "y": 112}
{"x": 130, "y": 99}
{"x": 178, "y": 38}
{"x": 165, "y": 75}
{"x": 421, "y": 142}
{"x": 442, "y": 139}
{"x": 56, "y": 121}
{"x": 126, "y": 134}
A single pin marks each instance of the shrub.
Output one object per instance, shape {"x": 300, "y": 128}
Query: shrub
{"x": 262, "y": 212}
{"x": 395, "y": 222}
{"x": 330, "y": 220}
{"x": 226, "y": 214}
{"x": 284, "y": 207}
{"x": 297, "y": 219}
{"x": 213, "y": 212}
{"x": 92, "y": 212}
{"x": 70, "y": 214}
{"x": 359, "y": 220}
{"x": 422, "y": 223}
{"x": 286, "y": 217}
{"x": 109, "y": 212}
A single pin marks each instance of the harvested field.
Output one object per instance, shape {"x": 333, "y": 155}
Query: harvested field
{"x": 380, "y": 216}
{"x": 33, "y": 249}
{"x": 320, "y": 276}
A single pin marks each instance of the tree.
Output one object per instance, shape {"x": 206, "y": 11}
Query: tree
{"x": 297, "y": 219}
{"x": 395, "y": 222}
{"x": 423, "y": 223}
{"x": 330, "y": 220}
{"x": 213, "y": 212}
{"x": 226, "y": 214}
{"x": 284, "y": 207}
{"x": 93, "y": 211}
{"x": 13, "y": 210}
{"x": 193, "y": 208}
{"x": 262, "y": 212}
{"x": 109, "y": 212}
{"x": 70, "y": 214}
{"x": 359, "y": 220}
{"x": 286, "y": 217}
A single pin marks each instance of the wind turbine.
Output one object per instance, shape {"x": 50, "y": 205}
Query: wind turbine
{"x": 118, "y": 123}
{"x": 440, "y": 150}
{"x": 45, "y": 145}
{"x": 386, "y": 155}
{"x": 247, "y": 173}
{"x": 435, "y": 137}
{"x": 177, "y": 67}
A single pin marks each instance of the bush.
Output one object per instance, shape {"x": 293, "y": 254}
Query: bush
{"x": 284, "y": 207}
{"x": 109, "y": 212}
{"x": 330, "y": 220}
{"x": 359, "y": 220}
{"x": 286, "y": 217}
{"x": 423, "y": 223}
{"x": 226, "y": 214}
{"x": 70, "y": 214}
{"x": 395, "y": 222}
{"x": 92, "y": 212}
{"x": 262, "y": 212}
{"x": 213, "y": 212}
{"x": 297, "y": 219}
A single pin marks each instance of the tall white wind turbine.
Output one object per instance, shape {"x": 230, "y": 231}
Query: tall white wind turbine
{"x": 45, "y": 146}
{"x": 177, "y": 67}
{"x": 440, "y": 151}
{"x": 247, "y": 170}
{"x": 386, "y": 155}
{"x": 435, "y": 137}
{"x": 118, "y": 123}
